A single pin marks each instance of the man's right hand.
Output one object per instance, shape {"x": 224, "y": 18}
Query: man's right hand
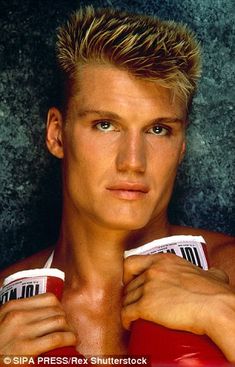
{"x": 34, "y": 326}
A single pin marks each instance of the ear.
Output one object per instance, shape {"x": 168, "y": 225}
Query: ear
{"x": 54, "y": 132}
{"x": 182, "y": 152}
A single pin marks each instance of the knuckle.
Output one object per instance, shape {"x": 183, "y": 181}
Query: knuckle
{"x": 168, "y": 257}
{"x": 128, "y": 263}
{"x": 58, "y": 310}
{"x": 60, "y": 321}
{"x": 14, "y": 316}
{"x": 159, "y": 273}
{"x": 56, "y": 339}
{"x": 8, "y": 306}
{"x": 161, "y": 266}
{"x": 51, "y": 299}
{"x": 151, "y": 272}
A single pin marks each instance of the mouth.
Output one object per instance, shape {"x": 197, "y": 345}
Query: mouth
{"x": 129, "y": 190}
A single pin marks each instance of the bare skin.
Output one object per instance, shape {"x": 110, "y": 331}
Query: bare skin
{"x": 93, "y": 325}
{"x": 121, "y": 145}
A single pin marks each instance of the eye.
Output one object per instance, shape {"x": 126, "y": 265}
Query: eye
{"x": 159, "y": 130}
{"x": 104, "y": 126}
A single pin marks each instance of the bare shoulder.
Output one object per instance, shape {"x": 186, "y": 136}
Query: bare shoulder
{"x": 221, "y": 248}
{"x": 213, "y": 239}
{"x": 35, "y": 261}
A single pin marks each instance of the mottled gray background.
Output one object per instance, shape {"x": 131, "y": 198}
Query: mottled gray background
{"x": 30, "y": 194}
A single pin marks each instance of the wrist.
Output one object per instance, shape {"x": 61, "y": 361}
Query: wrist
{"x": 221, "y": 323}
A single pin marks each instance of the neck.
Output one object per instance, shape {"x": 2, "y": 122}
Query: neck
{"x": 92, "y": 255}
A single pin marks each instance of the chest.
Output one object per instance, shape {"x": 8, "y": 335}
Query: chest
{"x": 96, "y": 322}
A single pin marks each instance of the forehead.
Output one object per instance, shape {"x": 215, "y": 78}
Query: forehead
{"x": 109, "y": 88}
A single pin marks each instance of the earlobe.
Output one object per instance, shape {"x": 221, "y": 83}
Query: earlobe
{"x": 54, "y": 132}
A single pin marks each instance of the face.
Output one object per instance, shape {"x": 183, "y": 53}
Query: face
{"x": 121, "y": 145}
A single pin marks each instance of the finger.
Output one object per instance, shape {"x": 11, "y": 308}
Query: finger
{"x": 23, "y": 324}
{"x": 53, "y": 341}
{"x": 32, "y": 303}
{"x": 35, "y": 347}
{"x": 34, "y": 329}
{"x": 135, "y": 265}
{"x": 135, "y": 283}
{"x": 44, "y": 313}
{"x": 129, "y": 313}
{"x": 46, "y": 326}
{"x": 133, "y": 296}
{"x": 46, "y": 299}
{"x": 30, "y": 316}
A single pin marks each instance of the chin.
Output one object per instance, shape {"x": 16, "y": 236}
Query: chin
{"x": 128, "y": 225}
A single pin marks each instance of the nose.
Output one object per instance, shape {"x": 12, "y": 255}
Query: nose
{"x": 132, "y": 153}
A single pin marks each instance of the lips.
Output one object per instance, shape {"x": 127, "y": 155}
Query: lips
{"x": 129, "y": 186}
{"x": 128, "y": 190}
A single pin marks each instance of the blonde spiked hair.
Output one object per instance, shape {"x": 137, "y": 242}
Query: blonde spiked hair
{"x": 164, "y": 52}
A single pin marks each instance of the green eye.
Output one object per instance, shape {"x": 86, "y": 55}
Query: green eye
{"x": 158, "y": 130}
{"x": 104, "y": 126}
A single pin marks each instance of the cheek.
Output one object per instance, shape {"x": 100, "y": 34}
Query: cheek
{"x": 85, "y": 161}
{"x": 163, "y": 171}
{"x": 166, "y": 157}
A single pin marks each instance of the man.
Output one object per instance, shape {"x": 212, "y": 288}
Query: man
{"x": 120, "y": 132}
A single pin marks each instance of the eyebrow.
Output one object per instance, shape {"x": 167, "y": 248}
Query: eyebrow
{"x": 112, "y": 115}
{"x": 100, "y": 113}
